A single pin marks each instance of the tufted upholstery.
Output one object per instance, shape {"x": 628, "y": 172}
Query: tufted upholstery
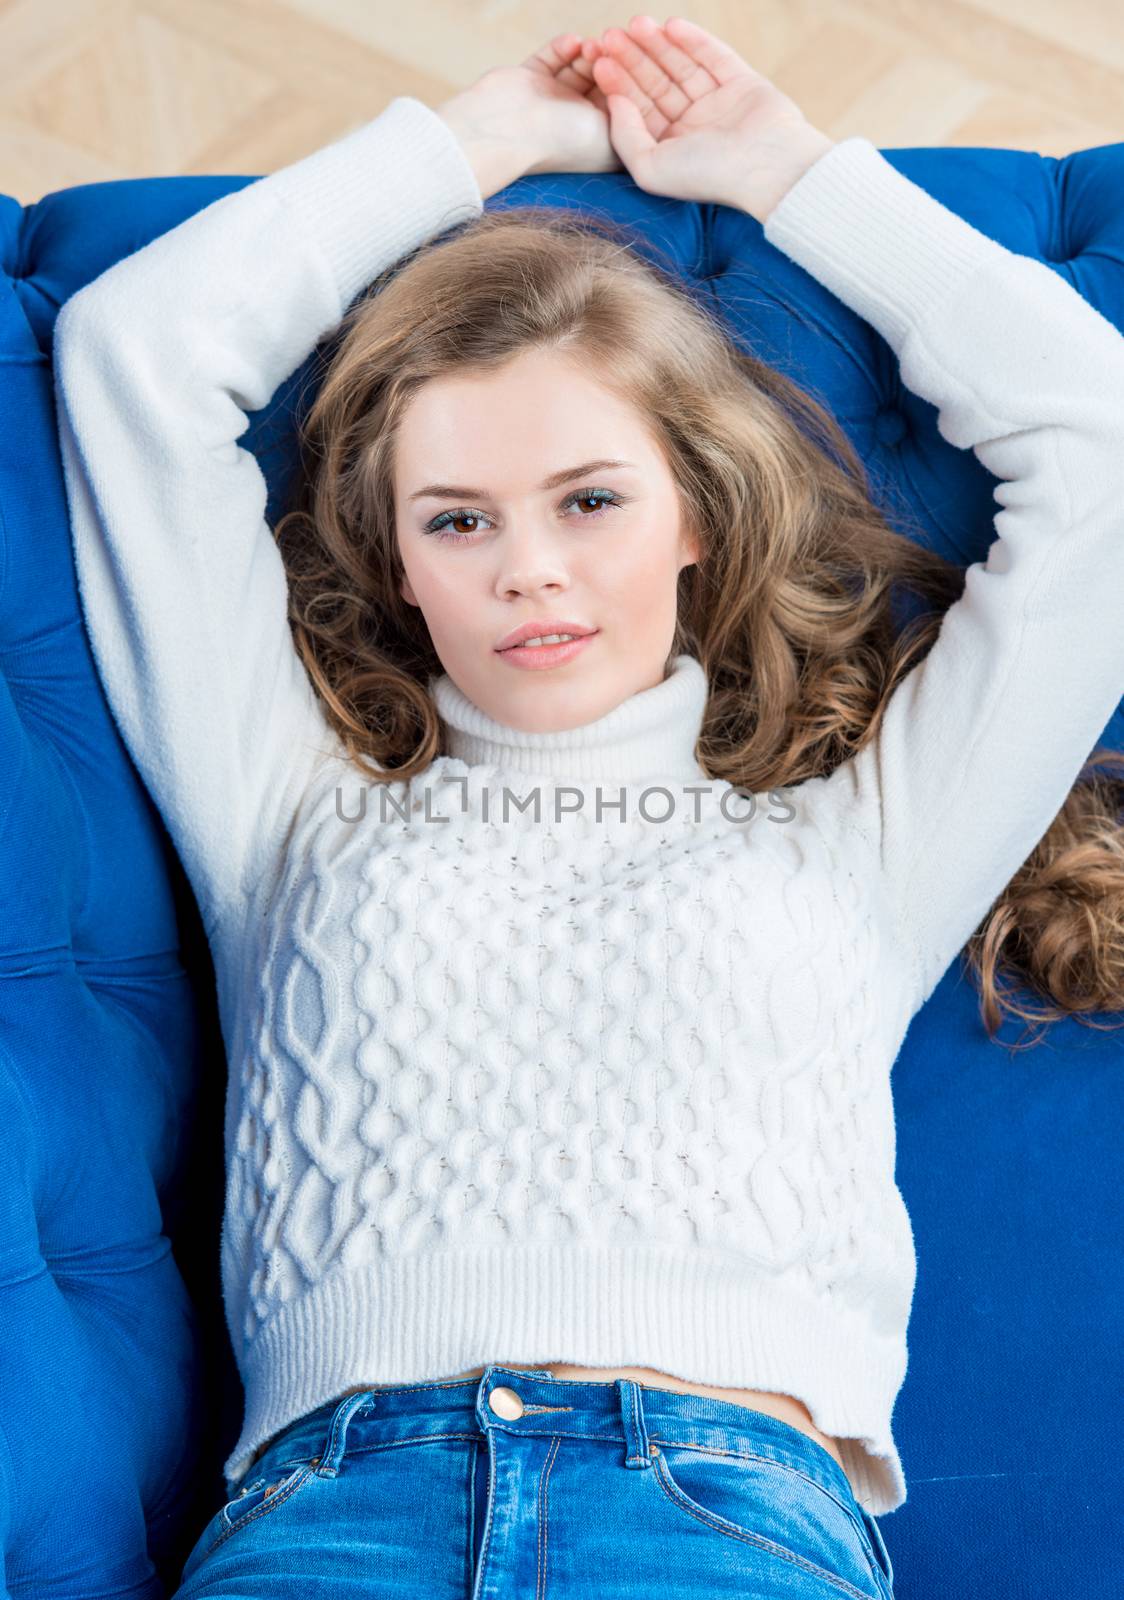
{"x": 118, "y": 1396}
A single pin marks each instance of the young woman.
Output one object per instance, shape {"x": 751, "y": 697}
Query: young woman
{"x": 561, "y": 983}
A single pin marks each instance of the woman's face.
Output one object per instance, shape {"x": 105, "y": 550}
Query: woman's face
{"x": 602, "y": 549}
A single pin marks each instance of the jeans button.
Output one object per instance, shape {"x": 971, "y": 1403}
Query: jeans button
{"x": 506, "y": 1403}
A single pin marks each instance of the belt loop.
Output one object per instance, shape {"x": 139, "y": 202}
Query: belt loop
{"x": 632, "y": 1416}
{"x": 337, "y": 1432}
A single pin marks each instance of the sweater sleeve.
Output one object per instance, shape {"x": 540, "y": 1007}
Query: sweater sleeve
{"x": 983, "y": 740}
{"x": 181, "y": 581}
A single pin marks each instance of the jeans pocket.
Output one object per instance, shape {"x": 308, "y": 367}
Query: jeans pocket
{"x": 262, "y": 1497}
{"x": 774, "y": 1507}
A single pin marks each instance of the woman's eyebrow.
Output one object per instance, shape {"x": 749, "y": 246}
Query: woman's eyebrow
{"x": 453, "y": 491}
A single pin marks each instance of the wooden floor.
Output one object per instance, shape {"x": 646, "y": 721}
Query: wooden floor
{"x": 98, "y": 89}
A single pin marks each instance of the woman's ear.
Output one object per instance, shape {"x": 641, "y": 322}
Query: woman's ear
{"x": 407, "y": 592}
{"x": 689, "y": 548}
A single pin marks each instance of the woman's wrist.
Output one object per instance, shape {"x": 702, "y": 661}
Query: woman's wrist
{"x": 496, "y": 158}
{"x": 763, "y": 192}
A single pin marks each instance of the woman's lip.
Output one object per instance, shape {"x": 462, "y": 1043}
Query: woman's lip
{"x": 541, "y": 657}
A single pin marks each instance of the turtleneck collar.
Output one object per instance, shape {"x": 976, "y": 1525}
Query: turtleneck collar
{"x": 651, "y": 734}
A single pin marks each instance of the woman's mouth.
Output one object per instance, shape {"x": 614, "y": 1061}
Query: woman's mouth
{"x": 535, "y": 657}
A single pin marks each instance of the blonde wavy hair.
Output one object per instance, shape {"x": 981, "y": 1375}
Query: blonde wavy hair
{"x": 789, "y": 608}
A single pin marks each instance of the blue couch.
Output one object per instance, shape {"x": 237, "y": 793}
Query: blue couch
{"x": 118, "y": 1395}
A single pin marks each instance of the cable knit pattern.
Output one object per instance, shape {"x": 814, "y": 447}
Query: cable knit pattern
{"x": 534, "y": 1086}
{"x": 509, "y": 1085}
{"x": 515, "y": 1035}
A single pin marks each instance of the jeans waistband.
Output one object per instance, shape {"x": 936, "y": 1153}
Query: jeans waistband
{"x": 621, "y": 1411}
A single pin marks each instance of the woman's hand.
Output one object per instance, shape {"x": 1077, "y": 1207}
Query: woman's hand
{"x": 546, "y": 115}
{"x": 690, "y": 119}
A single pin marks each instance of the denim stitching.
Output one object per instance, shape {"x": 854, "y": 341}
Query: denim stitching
{"x": 415, "y": 1388}
{"x": 874, "y": 1533}
{"x": 634, "y": 1395}
{"x": 540, "y": 1582}
{"x": 330, "y": 1446}
{"x": 359, "y": 1449}
{"x": 769, "y": 1461}
{"x": 472, "y": 1460}
{"x": 732, "y": 1531}
{"x": 740, "y": 1455}
{"x": 286, "y": 1492}
{"x": 487, "y": 1539}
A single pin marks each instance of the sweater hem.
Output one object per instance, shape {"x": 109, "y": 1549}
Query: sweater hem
{"x": 690, "y": 1313}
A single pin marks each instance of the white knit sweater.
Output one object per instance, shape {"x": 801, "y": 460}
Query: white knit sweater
{"x": 605, "y": 1089}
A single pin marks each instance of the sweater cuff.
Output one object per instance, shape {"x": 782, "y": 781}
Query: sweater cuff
{"x": 876, "y": 239}
{"x": 378, "y": 192}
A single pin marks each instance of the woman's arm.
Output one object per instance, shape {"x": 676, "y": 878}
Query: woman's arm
{"x": 982, "y": 741}
{"x": 157, "y": 363}
{"x": 182, "y": 585}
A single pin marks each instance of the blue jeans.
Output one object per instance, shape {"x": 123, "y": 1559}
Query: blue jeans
{"x": 519, "y": 1484}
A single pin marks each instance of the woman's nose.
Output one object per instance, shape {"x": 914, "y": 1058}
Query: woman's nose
{"x": 530, "y": 556}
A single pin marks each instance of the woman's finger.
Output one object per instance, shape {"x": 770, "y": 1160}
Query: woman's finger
{"x": 678, "y": 66}
{"x": 557, "y": 54}
{"x": 632, "y": 140}
{"x": 614, "y": 79}
{"x": 579, "y": 75}
{"x": 581, "y": 68}
{"x": 661, "y": 91}
{"x": 562, "y": 58}
{"x": 719, "y": 60}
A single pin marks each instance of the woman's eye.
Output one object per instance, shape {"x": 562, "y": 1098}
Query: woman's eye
{"x": 602, "y": 499}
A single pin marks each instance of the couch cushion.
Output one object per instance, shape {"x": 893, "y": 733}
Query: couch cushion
{"x": 118, "y": 1398}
